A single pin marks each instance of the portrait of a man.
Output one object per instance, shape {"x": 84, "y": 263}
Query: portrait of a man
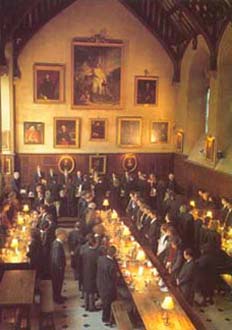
{"x": 33, "y": 133}
{"x": 129, "y": 163}
{"x": 49, "y": 83}
{"x": 159, "y": 132}
{"x": 66, "y": 132}
{"x": 66, "y": 163}
{"x": 97, "y": 74}
{"x": 146, "y": 90}
{"x": 97, "y": 129}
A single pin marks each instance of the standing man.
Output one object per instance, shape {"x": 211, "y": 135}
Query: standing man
{"x": 185, "y": 278}
{"x": 106, "y": 282}
{"x": 58, "y": 263}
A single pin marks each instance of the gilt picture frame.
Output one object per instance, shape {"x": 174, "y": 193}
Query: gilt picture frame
{"x": 146, "y": 91}
{"x": 49, "y": 83}
{"x": 66, "y": 132}
{"x": 33, "y": 132}
{"x": 98, "y": 128}
{"x": 97, "y": 74}
{"x": 129, "y": 132}
{"x": 159, "y": 133}
{"x": 97, "y": 163}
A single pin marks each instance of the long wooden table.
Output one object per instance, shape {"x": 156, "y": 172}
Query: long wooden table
{"x": 143, "y": 284}
{"x": 17, "y": 291}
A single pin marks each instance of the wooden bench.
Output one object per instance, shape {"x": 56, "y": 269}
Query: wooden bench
{"x": 121, "y": 316}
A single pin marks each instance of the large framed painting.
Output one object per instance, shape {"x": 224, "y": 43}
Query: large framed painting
{"x": 210, "y": 148}
{"x": 48, "y": 83}
{"x": 97, "y": 163}
{"x": 97, "y": 75}
{"x": 146, "y": 90}
{"x": 98, "y": 129}
{"x": 33, "y": 133}
{"x": 66, "y": 132}
{"x": 129, "y": 132}
{"x": 159, "y": 132}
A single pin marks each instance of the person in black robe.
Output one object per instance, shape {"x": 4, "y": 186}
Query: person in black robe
{"x": 89, "y": 263}
{"x": 35, "y": 252}
{"x": 57, "y": 265}
{"x": 185, "y": 278}
{"x": 75, "y": 240}
{"x": 153, "y": 233}
{"x": 106, "y": 281}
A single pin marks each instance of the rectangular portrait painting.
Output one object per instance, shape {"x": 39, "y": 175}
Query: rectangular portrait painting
{"x": 97, "y": 75}
{"x": 146, "y": 90}
{"x": 66, "y": 132}
{"x": 98, "y": 127}
{"x": 33, "y": 133}
{"x": 129, "y": 132}
{"x": 48, "y": 83}
{"x": 159, "y": 132}
{"x": 97, "y": 163}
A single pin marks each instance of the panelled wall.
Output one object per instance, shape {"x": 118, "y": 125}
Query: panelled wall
{"x": 192, "y": 176}
{"x": 159, "y": 163}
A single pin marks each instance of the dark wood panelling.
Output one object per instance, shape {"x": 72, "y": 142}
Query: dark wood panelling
{"x": 192, "y": 177}
{"x": 160, "y": 163}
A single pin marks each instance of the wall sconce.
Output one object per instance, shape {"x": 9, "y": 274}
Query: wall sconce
{"x": 167, "y": 305}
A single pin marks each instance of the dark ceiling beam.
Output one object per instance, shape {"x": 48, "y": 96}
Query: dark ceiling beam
{"x": 174, "y": 53}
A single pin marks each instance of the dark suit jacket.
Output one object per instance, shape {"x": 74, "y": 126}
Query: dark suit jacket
{"x": 89, "y": 262}
{"x": 58, "y": 260}
{"x": 106, "y": 276}
{"x": 186, "y": 280}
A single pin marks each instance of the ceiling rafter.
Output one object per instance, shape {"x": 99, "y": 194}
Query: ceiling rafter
{"x": 174, "y": 23}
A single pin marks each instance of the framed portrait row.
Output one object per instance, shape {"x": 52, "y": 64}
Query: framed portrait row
{"x": 67, "y": 132}
{"x": 97, "y": 78}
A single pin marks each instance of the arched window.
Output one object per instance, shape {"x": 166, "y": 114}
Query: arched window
{"x": 207, "y": 111}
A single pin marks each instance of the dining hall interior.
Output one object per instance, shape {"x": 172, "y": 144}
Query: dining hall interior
{"x": 115, "y": 164}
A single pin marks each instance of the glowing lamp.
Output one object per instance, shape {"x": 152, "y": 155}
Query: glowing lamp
{"x": 192, "y": 203}
{"x": 20, "y": 220}
{"x": 26, "y": 208}
{"x": 209, "y": 214}
{"x": 126, "y": 231}
{"x": 106, "y": 203}
{"x": 149, "y": 264}
{"x": 14, "y": 243}
{"x": 140, "y": 255}
{"x": 167, "y": 305}
{"x": 114, "y": 215}
{"x": 140, "y": 271}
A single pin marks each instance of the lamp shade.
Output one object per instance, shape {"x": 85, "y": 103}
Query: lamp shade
{"x": 106, "y": 202}
{"x": 168, "y": 303}
{"x": 26, "y": 208}
{"x": 192, "y": 203}
{"x": 140, "y": 255}
{"x": 209, "y": 214}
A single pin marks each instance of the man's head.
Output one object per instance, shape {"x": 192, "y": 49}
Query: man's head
{"x": 61, "y": 234}
{"x": 111, "y": 251}
{"x": 188, "y": 254}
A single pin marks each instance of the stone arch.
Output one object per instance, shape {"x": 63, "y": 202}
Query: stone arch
{"x": 224, "y": 111}
{"x": 194, "y": 85}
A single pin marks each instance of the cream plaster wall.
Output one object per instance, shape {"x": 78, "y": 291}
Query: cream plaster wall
{"x": 52, "y": 44}
{"x": 191, "y": 94}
